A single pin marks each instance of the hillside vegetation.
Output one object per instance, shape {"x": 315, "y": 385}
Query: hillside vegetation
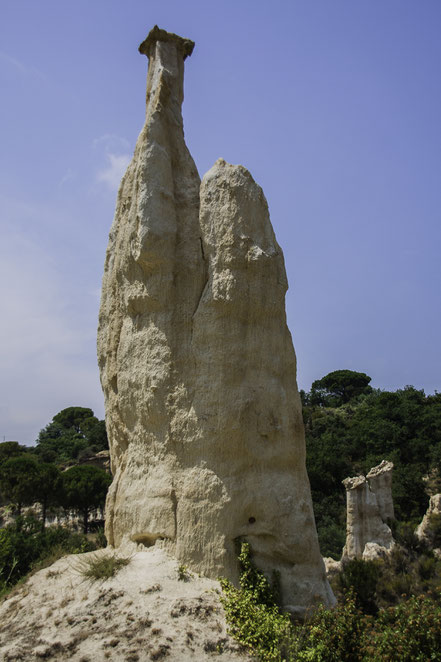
{"x": 48, "y": 474}
{"x": 388, "y": 609}
{"x": 351, "y": 427}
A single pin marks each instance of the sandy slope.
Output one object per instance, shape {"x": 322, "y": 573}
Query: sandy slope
{"x": 143, "y": 613}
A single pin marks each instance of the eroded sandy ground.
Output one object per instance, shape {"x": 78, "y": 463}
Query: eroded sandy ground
{"x": 142, "y": 613}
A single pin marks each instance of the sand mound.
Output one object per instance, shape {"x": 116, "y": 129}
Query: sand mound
{"x": 145, "y": 612}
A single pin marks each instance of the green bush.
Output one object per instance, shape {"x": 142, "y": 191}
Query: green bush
{"x": 23, "y": 544}
{"x": 361, "y": 577}
{"x": 100, "y": 538}
{"x": 409, "y": 632}
{"x": 253, "y": 615}
{"x": 101, "y": 567}
{"x": 435, "y": 529}
{"x": 330, "y": 635}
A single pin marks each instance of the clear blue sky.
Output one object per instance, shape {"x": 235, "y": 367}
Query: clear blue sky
{"x": 335, "y": 109}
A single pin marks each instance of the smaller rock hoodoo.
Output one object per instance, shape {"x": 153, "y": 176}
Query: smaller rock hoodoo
{"x": 369, "y": 506}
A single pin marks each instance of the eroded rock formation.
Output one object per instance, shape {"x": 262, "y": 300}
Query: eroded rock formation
{"x": 425, "y": 530}
{"x": 197, "y": 364}
{"x": 368, "y": 507}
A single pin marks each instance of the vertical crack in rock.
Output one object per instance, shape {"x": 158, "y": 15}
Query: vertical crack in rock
{"x": 197, "y": 364}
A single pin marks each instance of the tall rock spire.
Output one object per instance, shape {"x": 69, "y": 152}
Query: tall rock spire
{"x": 197, "y": 364}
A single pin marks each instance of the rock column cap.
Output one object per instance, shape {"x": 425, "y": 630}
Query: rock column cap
{"x": 156, "y": 34}
{"x": 381, "y": 468}
{"x": 354, "y": 482}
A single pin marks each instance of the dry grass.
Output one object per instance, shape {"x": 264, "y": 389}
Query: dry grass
{"x": 101, "y": 567}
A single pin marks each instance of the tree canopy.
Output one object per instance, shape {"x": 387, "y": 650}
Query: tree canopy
{"x": 339, "y": 387}
{"x": 85, "y": 488}
{"x": 19, "y": 477}
{"x": 72, "y": 433}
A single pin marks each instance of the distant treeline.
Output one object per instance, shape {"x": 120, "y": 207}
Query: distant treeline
{"x": 49, "y": 474}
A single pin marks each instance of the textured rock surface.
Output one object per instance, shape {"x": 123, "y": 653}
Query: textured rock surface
{"x": 380, "y": 482}
{"x": 424, "y": 529}
{"x": 332, "y": 566}
{"x": 143, "y": 613}
{"x": 368, "y": 505}
{"x": 197, "y": 363}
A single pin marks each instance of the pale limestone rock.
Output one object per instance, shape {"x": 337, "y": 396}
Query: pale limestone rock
{"x": 375, "y": 552}
{"x": 332, "y": 566}
{"x": 423, "y": 531}
{"x": 197, "y": 363}
{"x": 368, "y": 506}
{"x": 380, "y": 482}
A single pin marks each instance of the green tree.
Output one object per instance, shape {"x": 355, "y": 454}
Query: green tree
{"x": 10, "y": 449}
{"x": 19, "y": 478}
{"x": 47, "y": 488}
{"x": 71, "y": 433}
{"x": 84, "y": 489}
{"x": 339, "y": 387}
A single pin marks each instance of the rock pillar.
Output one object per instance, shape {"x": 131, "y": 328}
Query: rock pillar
{"x": 197, "y": 363}
{"x": 368, "y": 506}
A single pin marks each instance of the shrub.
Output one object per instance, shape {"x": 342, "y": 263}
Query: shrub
{"x": 409, "y": 632}
{"x": 23, "y": 545}
{"x": 101, "y": 567}
{"x": 404, "y": 534}
{"x": 427, "y": 566}
{"x": 330, "y": 635}
{"x": 183, "y": 573}
{"x": 100, "y": 538}
{"x": 361, "y": 577}
{"x": 252, "y": 613}
{"x": 435, "y": 529}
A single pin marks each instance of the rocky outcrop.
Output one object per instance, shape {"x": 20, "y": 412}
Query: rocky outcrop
{"x": 425, "y": 530}
{"x": 197, "y": 364}
{"x": 368, "y": 507}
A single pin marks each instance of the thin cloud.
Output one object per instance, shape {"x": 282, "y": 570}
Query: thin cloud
{"x": 23, "y": 69}
{"x": 116, "y": 167}
{"x": 111, "y": 142}
{"x": 67, "y": 177}
{"x": 12, "y": 61}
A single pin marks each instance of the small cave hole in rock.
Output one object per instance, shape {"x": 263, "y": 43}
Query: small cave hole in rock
{"x": 147, "y": 539}
{"x": 251, "y": 520}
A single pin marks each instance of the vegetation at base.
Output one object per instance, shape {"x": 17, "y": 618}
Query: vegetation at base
{"x": 351, "y": 428}
{"x": 101, "y": 567}
{"x": 184, "y": 574}
{"x": 252, "y": 612}
{"x": 24, "y": 547}
{"x": 407, "y": 632}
